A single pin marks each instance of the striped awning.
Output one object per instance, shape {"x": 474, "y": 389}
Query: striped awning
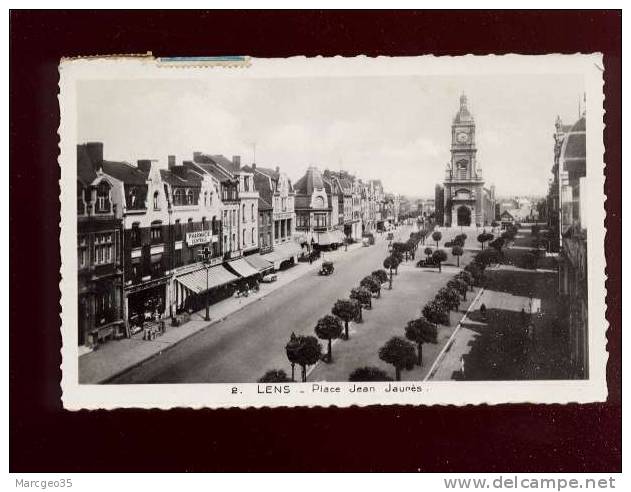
{"x": 243, "y": 268}
{"x": 324, "y": 239}
{"x": 258, "y": 262}
{"x": 196, "y": 281}
{"x": 283, "y": 252}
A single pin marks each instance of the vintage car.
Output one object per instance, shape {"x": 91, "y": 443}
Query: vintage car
{"x": 269, "y": 278}
{"x": 426, "y": 263}
{"x": 326, "y": 268}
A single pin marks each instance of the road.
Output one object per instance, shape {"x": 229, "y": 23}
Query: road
{"x": 252, "y": 341}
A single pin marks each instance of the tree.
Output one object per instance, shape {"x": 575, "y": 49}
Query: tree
{"x": 368, "y": 374}
{"x": 497, "y": 244}
{"x": 292, "y": 349}
{"x": 436, "y": 313}
{"x": 460, "y": 285}
{"x": 421, "y": 331}
{"x": 486, "y": 258}
{"x": 329, "y": 328}
{"x": 309, "y": 352}
{"x": 439, "y": 256}
{"x": 389, "y": 264}
{"x": 476, "y": 271}
{"x": 428, "y": 252}
{"x": 495, "y": 224}
{"x": 437, "y": 236}
{"x": 275, "y": 376}
{"x": 363, "y": 296}
{"x": 400, "y": 353}
{"x": 399, "y": 259}
{"x": 466, "y": 277}
{"x": 345, "y": 310}
{"x": 449, "y": 298}
{"x": 380, "y": 274}
{"x": 482, "y": 238}
{"x": 457, "y": 251}
{"x": 411, "y": 247}
{"x": 372, "y": 284}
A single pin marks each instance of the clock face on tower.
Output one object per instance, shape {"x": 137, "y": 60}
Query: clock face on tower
{"x": 462, "y": 137}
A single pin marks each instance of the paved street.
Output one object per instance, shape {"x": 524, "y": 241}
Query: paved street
{"x": 246, "y": 344}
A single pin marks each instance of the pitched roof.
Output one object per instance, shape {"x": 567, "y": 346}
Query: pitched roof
{"x": 85, "y": 168}
{"x": 125, "y": 172}
{"x": 574, "y": 149}
{"x": 264, "y": 204}
{"x": 310, "y": 181}
{"x": 463, "y": 115}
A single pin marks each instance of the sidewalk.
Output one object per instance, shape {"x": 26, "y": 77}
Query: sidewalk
{"x": 117, "y": 356}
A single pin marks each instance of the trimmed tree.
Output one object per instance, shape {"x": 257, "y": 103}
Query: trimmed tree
{"x": 363, "y": 295}
{"x": 275, "y": 376}
{"x": 436, "y": 313}
{"x": 449, "y": 297}
{"x": 476, "y": 271}
{"x": 497, "y": 244}
{"x": 372, "y": 284}
{"x": 368, "y": 374}
{"x": 457, "y": 251}
{"x": 439, "y": 256}
{"x": 460, "y": 285}
{"x": 421, "y": 331}
{"x": 400, "y": 353}
{"x": 389, "y": 264}
{"x": 428, "y": 252}
{"x": 329, "y": 328}
{"x": 482, "y": 238}
{"x": 467, "y": 277}
{"x": 309, "y": 352}
{"x": 381, "y": 275}
{"x": 437, "y": 236}
{"x": 345, "y": 309}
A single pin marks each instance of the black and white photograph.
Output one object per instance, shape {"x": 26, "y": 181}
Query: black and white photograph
{"x": 340, "y": 231}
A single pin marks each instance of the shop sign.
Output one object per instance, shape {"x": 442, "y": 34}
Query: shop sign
{"x": 199, "y": 237}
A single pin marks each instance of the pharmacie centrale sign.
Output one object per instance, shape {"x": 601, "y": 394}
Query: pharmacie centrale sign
{"x": 199, "y": 237}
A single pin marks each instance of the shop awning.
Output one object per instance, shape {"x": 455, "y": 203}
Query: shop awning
{"x": 196, "y": 281}
{"x": 324, "y": 239}
{"x": 258, "y": 262}
{"x": 283, "y": 252}
{"x": 338, "y": 237}
{"x": 243, "y": 268}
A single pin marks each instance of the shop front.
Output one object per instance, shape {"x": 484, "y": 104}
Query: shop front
{"x": 146, "y": 303}
{"x": 193, "y": 287}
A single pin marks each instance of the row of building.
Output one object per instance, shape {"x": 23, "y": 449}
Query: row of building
{"x": 565, "y": 211}
{"x": 154, "y": 241}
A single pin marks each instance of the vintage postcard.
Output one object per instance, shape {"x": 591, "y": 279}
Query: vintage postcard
{"x": 241, "y": 232}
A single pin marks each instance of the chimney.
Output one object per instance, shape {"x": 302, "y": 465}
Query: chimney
{"x": 144, "y": 165}
{"x": 171, "y": 161}
{"x": 95, "y": 152}
{"x": 236, "y": 161}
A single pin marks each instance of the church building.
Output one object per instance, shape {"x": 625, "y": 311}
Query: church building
{"x": 466, "y": 201}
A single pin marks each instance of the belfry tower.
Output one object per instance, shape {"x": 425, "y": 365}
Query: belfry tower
{"x": 464, "y": 186}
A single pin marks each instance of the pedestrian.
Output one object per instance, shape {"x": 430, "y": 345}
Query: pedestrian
{"x": 483, "y": 310}
{"x": 462, "y": 366}
{"x": 523, "y": 317}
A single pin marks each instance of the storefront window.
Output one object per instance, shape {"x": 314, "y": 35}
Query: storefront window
{"x": 178, "y": 230}
{"x": 135, "y": 235}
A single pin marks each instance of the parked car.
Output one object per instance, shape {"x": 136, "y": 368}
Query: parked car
{"x": 269, "y": 278}
{"x": 365, "y": 242}
{"x": 426, "y": 263}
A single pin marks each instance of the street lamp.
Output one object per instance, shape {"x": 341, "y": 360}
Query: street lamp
{"x": 205, "y": 255}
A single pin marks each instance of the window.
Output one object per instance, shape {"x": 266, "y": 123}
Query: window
{"x": 156, "y": 265}
{"x": 225, "y": 243}
{"x": 203, "y": 223}
{"x": 135, "y": 269}
{"x": 156, "y": 203}
{"x": 243, "y": 213}
{"x": 82, "y": 251}
{"x": 178, "y": 230}
{"x": 80, "y": 202}
{"x": 252, "y": 212}
{"x": 318, "y": 202}
{"x": 243, "y": 237}
{"x": 179, "y": 197}
{"x": 156, "y": 232}
{"x": 253, "y": 235}
{"x": 320, "y": 220}
{"x": 189, "y": 197}
{"x": 103, "y": 248}
{"x": 103, "y": 198}
{"x": 104, "y": 313}
{"x": 234, "y": 241}
{"x": 177, "y": 257}
{"x": 284, "y": 200}
{"x": 246, "y": 183}
{"x": 205, "y": 198}
{"x": 135, "y": 235}
{"x": 214, "y": 225}
{"x": 461, "y": 169}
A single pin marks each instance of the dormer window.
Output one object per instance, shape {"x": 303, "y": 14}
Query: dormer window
{"x": 189, "y": 196}
{"x": 103, "y": 204}
{"x": 156, "y": 203}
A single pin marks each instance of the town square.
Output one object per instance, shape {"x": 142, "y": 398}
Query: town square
{"x": 207, "y": 267}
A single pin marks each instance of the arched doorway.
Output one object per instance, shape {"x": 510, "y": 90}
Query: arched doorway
{"x": 464, "y": 216}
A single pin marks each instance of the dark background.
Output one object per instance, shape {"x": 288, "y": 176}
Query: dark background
{"x": 44, "y": 437}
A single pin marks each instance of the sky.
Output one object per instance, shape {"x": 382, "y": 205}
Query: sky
{"x": 397, "y": 129}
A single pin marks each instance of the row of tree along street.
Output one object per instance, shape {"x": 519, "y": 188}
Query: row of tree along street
{"x": 305, "y": 350}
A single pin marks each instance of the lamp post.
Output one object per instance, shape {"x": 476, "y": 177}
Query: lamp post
{"x": 205, "y": 255}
